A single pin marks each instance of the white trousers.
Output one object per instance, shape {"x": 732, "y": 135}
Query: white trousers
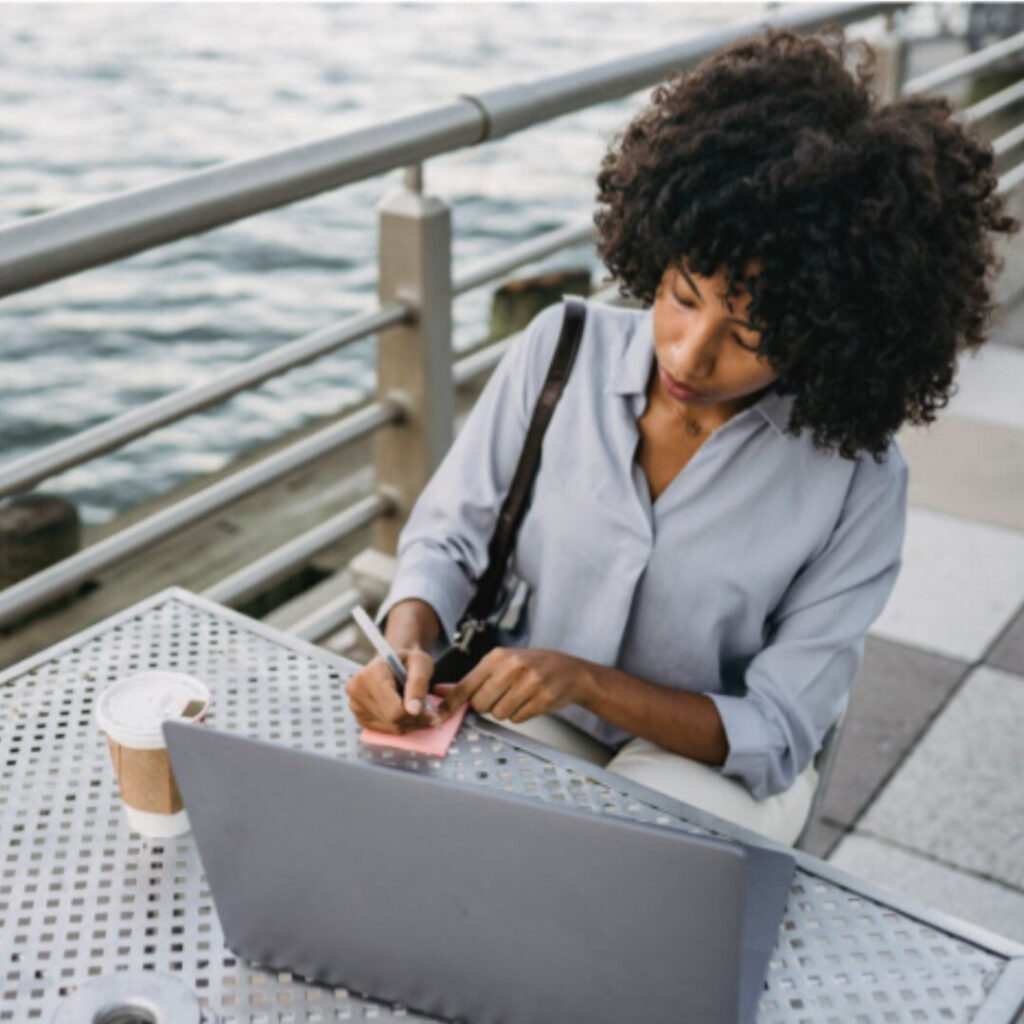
{"x": 779, "y": 817}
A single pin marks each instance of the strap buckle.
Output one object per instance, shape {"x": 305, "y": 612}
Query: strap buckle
{"x": 467, "y": 629}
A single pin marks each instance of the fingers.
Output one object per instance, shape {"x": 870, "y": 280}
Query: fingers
{"x": 496, "y": 685}
{"x": 514, "y": 698}
{"x": 373, "y": 695}
{"x": 420, "y": 667}
{"x": 495, "y": 690}
{"x": 531, "y": 709}
{"x": 405, "y": 723}
{"x": 460, "y": 692}
{"x": 471, "y": 682}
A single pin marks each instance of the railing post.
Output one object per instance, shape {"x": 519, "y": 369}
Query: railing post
{"x": 892, "y": 58}
{"x": 414, "y": 360}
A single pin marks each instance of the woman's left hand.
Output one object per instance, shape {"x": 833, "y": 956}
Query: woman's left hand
{"x": 518, "y": 683}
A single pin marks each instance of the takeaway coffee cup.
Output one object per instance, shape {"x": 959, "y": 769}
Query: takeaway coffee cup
{"x": 130, "y": 713}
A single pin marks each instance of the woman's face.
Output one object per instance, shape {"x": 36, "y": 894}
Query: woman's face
{"x": 703, "y": 341}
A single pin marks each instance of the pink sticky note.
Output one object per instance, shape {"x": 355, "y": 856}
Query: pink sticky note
{"x": 434, "y": 740}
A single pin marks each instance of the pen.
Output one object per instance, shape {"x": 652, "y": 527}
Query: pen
{"x": 383, "y": 648}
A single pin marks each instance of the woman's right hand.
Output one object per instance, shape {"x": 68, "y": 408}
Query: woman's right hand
{"x": 373, "y": 694}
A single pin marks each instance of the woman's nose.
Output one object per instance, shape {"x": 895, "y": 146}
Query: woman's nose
{"x": 695, "y": 351}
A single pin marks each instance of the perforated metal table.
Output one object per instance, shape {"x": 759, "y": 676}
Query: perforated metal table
{"x": 81, "y": 896}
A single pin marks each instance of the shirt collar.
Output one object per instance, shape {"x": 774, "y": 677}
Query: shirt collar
{"x": 632, "y": 368}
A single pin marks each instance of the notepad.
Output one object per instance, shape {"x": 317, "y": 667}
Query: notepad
{"x": 433, "y": 741}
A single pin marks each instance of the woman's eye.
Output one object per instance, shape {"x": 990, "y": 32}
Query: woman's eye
{"x": 739, "y": 341}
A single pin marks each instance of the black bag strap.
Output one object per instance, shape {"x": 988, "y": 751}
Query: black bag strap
{"x": 514, "y": 506}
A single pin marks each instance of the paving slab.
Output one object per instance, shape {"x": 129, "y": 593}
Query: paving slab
{"x": 991, "y": 385}
{"x": 1008, "y": 653}
{"x": 897, "y": 692}
{"x": 968, "y": 468}
{"x": 960, "y": 584}
{"x": 959, "y": 796}
{"x": 988, "y": 904}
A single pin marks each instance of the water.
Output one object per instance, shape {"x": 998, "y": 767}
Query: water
{"x": 100, "y": 98}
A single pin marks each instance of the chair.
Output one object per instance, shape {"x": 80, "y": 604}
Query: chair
{"x": 823, "y": 761}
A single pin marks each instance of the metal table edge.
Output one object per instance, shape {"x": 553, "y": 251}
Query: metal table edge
{"x": 83, "y": 637}
{"x": 1005, "y": 1002}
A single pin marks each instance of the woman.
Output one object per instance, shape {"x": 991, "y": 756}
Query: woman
{"x": 719, "y": 512}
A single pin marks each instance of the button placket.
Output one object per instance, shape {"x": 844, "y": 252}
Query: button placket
{"x": 670, "y": 496}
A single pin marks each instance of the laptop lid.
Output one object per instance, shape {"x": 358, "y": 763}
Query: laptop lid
{"x": 467, "y": 902}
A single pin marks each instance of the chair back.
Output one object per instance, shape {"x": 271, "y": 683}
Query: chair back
{"x": 823, "y": 761}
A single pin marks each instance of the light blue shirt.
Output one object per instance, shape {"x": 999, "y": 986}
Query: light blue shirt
{"x": 752, "y": 578}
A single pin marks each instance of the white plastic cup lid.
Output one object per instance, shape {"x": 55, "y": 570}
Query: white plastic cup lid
{"x": 132, "y": 710}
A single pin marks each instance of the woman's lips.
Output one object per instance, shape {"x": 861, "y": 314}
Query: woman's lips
{"x": 677, "y": 390}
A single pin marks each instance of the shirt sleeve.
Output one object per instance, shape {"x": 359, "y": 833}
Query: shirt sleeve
{"x": 442, "y": 550}
{"x": 799, "y": 683}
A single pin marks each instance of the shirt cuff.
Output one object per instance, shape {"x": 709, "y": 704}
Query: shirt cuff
{"x": 755, "y": 745}
{"x": 434, "y": 578}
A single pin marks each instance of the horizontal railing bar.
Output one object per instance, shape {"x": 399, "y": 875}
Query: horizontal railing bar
{"x": 993, "y": 103}
{"x": 29, "y": 594}
{"x": 479, "y": 362}
{"x": 485, "y": 359}
{"x": 54, "y": 245}
{"x": 965, "y": 65}
{"x": 328, "y": 618}
{"x": 512, "y": 108}
{"x": 22, "y": 474}
{"x": 519, "y": 255}
{"x": 1009, "y": 139}
{"x": 26, "y": 472}
{"x": 283, "y": 561}
{"x": 1011, "y": 179}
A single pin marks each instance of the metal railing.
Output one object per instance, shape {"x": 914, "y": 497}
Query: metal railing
{"x": 280, "y": 563}
{"x": 413, "y": 412}
{"x": 70, "y": 572}
{"x": 21, "y": 474}
{"x": 54, "y": 245}
{"x": 965, "y": 66}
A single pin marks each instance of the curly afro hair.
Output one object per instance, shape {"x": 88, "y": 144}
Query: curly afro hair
{"x": 870, "y": 224}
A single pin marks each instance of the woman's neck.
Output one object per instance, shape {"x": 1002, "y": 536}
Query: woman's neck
{"x": 695, "y": 420}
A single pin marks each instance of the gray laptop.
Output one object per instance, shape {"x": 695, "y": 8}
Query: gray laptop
{"x": 462, "y": 901}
